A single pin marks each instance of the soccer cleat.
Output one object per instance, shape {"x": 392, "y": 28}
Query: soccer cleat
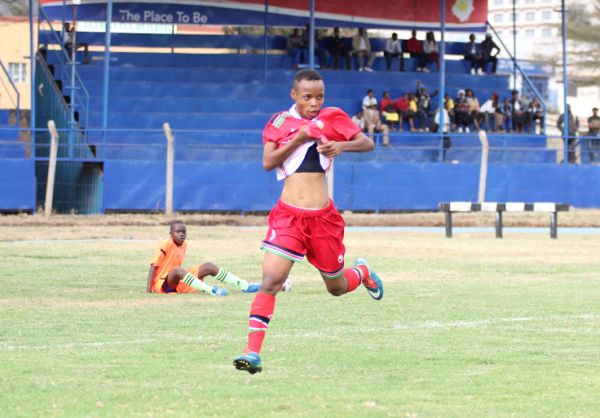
{"x": 252, "y": 288}
{"x": 219, "y": 291}
{"x": 372, "y": 283}
{"x": 249, "y": 362}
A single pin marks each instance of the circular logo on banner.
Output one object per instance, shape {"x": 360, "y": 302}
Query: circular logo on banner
{"x": 462, "y": 9}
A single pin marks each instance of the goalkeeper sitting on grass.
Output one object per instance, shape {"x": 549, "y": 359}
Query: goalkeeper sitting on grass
{"x": 167, "y": 276}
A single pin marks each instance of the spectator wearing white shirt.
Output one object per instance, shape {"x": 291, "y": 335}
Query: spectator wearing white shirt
{"x": 491, "y": 110}
{"x": 431, "y": 50}
{"x": 393, "y": 49}
{"x": 361, "y": 47}
{"x": 372, "y": 117}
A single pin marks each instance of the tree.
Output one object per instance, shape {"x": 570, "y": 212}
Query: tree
{"x": 583, "y": 26}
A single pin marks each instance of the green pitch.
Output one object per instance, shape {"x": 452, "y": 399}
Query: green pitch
{"x": 471, "y": 326}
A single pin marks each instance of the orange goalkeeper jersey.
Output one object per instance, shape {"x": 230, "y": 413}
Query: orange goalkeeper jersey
{"x": 166, "y": 257}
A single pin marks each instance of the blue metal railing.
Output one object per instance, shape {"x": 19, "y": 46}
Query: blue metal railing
{"x": 525, "y": 77}
{"x": 17, "y": 102}
{"x": 71, "y": 79}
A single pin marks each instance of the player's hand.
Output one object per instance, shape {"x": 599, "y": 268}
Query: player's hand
{"x": 303, "y": 134}
{"x": 329, "y": 148}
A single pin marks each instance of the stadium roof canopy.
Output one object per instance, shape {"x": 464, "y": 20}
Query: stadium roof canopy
{"x": 461, "y": 15}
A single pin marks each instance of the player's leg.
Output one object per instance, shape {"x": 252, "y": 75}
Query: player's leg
{"x": 275, "y": 270}
{"x": 325, "y": 250}
{"x": 224, "y": 276}
{"x": 180, "y": 275}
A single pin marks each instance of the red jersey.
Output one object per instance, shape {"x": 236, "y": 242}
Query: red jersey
{"x": 414, "y": 45}
{"x": 331, "y": 123}
{"x": 385, "y": 103}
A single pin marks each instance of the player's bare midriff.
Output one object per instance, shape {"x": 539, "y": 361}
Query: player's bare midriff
{"x": 306, "y": 190}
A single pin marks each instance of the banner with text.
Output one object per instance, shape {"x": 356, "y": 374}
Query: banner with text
{"x": 467, "y": 15}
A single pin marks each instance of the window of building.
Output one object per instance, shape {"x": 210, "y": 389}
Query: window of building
{"x": 547, "y": 15}
{"x": 546, "y": 32}
{"x": 530, "y": 33}
{"x": 498, "y": 17}
{"x": 498, "y": 2}
{"x": 516, "y": 17}
{"x": 17, "y": 72}
{"x": 530, "y": 16}
{"x": 529, "y": 1}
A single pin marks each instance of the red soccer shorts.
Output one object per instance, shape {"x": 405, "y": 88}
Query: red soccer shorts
{"x": 295, "y": 232}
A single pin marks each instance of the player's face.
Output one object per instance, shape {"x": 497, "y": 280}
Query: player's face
{"x": 309, "y": 97}
{"x": 178, "y": 233}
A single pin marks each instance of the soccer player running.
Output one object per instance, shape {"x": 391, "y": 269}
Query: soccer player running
{"x": 301, "y": 144}
{"x": 167, "y": 276}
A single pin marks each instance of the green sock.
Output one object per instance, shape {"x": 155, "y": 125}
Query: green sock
{"x": 230, "y": 278}
{"x": 193, "y": 281}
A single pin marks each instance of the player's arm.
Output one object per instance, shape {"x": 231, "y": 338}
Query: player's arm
{"x": 274, "y": 156}
{"x": 359, "y": 143}
{"x": 150, "y": 276}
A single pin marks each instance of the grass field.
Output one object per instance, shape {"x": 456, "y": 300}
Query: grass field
{"x": 471, "y": 326}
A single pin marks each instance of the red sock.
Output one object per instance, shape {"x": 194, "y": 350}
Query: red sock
{"x": 261, "y": 313}
{"x": 354, "y": 276}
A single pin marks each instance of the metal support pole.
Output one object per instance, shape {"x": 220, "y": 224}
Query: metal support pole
{"x": 565, "y": 85}
{"x": 266, "y": 55}
{"x": 32, "y": 57}
{"x": 311, "y": 38}
{"x": 499, "y": 224}
{"x": 553, "y": 225}
{"x": 73, "y": 93}
{"x": 109, "y": 8}
{"x": 442, "y": 81}
{"x": 514, "y": 16}
{"x": 448, "y": 218}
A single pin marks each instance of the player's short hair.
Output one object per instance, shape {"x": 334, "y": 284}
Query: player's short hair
{"x": 176, "y": 222}
{"x": 307, "y": 74}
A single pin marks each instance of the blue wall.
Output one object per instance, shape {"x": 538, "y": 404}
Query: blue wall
{"x": 17, "y": 184}
{"x": 222, "y": 186}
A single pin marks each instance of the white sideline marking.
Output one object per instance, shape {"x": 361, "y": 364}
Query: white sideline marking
{"x": 426, "y": 325}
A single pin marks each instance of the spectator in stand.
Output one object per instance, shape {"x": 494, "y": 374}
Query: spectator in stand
{"x": 449, "y": 106}
{"x": 535, "y": 112}
{"x": 336, "y": 45}
{"x": 573, "y": 128}
{"x": 320, "y": 53}
{"x": 393, "y": 49}
{"x": 447, "y": 124}
{"x": 594, "y": 133}
{"x": 402, "y": 104}
{"x": 519, "y": 117}
{"x": 474, "y": 110}
{"x": 389, "y": 111}
{"x": 359, "y": 120}
{"x": 507, "y": 111}
{"x": 373, "y": 118}
{"x": 69, "y": 35}
{"x": 487, "y": 53}
{"x": 461, "y": 112}
{"x": 413, "y": 107}
{"x": 415, "y": 49}
{"x": 296, "y": 49}
{"x": 361, "y": 47}
{"x": 473, "y": 55}
{"x": 431, "y": 50}
{"x": 488, "y": 112}
{"x": 423, "y": 105}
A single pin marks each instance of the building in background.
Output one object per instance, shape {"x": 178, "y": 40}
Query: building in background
{"x": 14, "y": 53}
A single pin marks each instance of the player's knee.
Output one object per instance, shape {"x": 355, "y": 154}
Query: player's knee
{"x": 271, "y": 285}
{"x": 208, "y": 268}
{"x": 336, "y": 291}
{"x": 179, "y": 272}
